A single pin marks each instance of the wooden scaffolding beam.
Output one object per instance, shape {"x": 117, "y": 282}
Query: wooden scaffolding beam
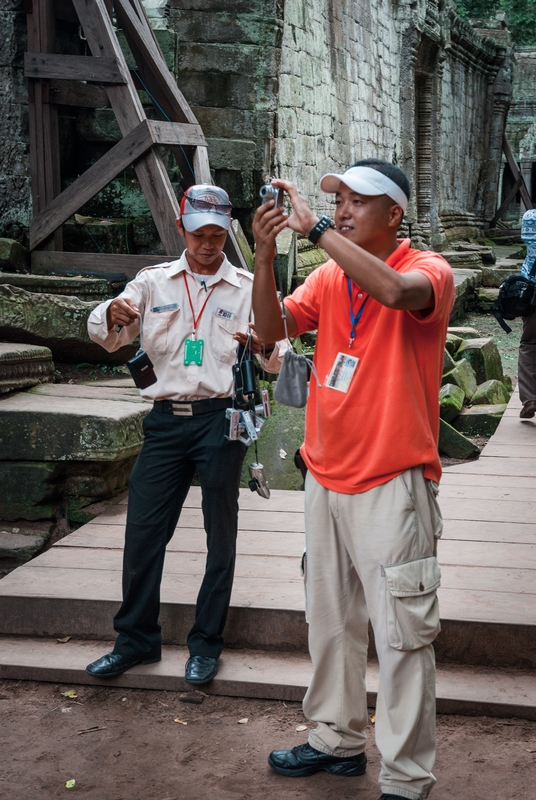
{"x": 105, "y": 79}
{"x": 519, "y": 185}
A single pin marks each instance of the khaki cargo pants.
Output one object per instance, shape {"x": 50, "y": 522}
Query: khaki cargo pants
{"x": 372, "y": 555}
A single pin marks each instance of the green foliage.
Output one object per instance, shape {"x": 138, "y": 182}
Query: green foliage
{"x": 521, "y": 15}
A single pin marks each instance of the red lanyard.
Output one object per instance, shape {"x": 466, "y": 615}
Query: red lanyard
{"x": 195, "y": 320}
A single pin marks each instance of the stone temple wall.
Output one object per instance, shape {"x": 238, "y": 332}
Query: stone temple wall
{"x": 338, "y": 97}
{"x": 15, "y": 186}
{"x": 295, "y": 88}
{"x": 475, "y": 90}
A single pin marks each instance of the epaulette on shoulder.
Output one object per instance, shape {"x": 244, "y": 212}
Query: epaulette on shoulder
{"x": 244, "y": 272}
{"x": 154, "y": 266}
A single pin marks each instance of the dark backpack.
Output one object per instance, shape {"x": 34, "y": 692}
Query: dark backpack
{"x": 517, "y": 298}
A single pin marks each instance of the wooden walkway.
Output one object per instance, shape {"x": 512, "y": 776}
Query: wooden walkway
{"x": 488, "y": 593}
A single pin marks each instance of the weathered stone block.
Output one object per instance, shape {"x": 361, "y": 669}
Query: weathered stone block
{"x": 464, "y": 333}
{"x": 13, "y": 256}
{"x": 57, "y": 322}
{"x": 453, "y": 342}
{"x": 480, "y": 420}
{"x": 86, "y": 289}
{"x": 491, "y": 276}
{"x": 111, "y": 235}
{"x": 45, "y": 490}
{"x": 234, "y": 154}
{"x": 24, "y": 365}
{"x": 451, "y": 399}
{"x": 20, "y": 547}
{"x": 484, "y": 357}
{"x": 448, "y": 361}
{"x": 462, "y": 260}
{"x": 490, "y": 393}
{"x": 67, "y": 427}
{"x": 463, "y": 375}
{"x": 28, "y": 489}
{"x": 453, "y": 444}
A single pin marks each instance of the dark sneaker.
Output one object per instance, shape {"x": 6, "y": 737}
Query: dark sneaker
{"x": 305, "y": 760}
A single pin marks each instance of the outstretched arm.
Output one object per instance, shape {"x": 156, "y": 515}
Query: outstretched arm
{"x": 269, "y": 221}
{"x": 407, "y": 291}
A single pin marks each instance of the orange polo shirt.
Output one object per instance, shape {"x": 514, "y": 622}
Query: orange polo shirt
{"x": 388, "y": 420}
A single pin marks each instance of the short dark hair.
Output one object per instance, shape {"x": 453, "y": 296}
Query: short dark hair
{"x": 385, "y": 167}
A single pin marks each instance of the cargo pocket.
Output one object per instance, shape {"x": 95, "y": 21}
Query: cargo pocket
{"x": 303, "y": 570}
{"x": 412, "y": 606}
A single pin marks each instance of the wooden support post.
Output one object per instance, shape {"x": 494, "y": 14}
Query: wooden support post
{"x": 43, "y": 118}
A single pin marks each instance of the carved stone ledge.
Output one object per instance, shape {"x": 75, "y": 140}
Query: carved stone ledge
{"x": 23, "y": 366}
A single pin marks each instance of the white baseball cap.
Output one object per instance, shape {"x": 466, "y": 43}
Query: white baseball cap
{"x": 367, "y": 181}
{"x": 204, "y": 204}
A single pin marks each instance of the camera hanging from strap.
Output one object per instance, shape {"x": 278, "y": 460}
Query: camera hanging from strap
{"x": 291, "y": 388}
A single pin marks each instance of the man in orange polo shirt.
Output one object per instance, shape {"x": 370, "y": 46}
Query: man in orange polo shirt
{"x": 381, "y": 310}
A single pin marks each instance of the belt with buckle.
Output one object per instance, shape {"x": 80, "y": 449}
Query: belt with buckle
{"x": 190, "y": 408}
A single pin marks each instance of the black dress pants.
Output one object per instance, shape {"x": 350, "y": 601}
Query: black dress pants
{"x": 175, "y": 448}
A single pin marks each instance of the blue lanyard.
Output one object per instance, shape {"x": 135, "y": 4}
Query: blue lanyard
{"x": 354, "y": 318}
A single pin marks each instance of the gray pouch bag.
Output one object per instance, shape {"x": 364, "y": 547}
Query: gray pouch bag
{"x": 291, "y": 386}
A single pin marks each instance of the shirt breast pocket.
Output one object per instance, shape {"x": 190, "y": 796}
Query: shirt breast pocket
{"x": 222, "y": 341}
{"x": 161, "y": 331}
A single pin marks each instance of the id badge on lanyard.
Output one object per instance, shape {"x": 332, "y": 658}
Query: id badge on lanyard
{"x": 193, "y": 348}
{"x": 345, "y": 365}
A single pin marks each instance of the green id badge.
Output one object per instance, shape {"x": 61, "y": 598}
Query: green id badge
{"x": 193, "y": 352}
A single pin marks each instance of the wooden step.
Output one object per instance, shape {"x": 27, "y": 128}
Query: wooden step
{"x": 260, "y": 674}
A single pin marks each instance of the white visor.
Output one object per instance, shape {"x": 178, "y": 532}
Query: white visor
{"x": 367, "y": 181}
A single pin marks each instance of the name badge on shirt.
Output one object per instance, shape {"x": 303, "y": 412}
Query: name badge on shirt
{"x": 193, "y": 352}
{"x": 169, "y": 307}
{"x": 342, "y": 372}
{"x": 221, "y": 312}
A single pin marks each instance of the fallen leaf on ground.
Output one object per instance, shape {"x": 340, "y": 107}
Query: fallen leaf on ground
{"x": 243, "y": 721}
{"x": 373, "y": 718}
{"x": 301, "y": 728}
{"x": 70, "y": 693}
{"x": 180, "y": 721}
{"x": 64, "y": 640}
{"x": 70, "y": 784}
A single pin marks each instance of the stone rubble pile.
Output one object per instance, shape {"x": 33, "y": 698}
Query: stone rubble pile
{"x": 474, "y": 392}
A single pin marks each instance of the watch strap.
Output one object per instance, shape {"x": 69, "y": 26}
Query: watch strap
{"x": 321, "y": 227}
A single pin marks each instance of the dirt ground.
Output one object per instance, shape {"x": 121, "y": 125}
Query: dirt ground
{"x": 119, "y": 744}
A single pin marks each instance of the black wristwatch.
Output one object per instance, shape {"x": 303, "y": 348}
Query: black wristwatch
{"x": 321, "y": 227}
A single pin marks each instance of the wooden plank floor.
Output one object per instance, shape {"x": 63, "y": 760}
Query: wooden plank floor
{"x": 488, "y": 550}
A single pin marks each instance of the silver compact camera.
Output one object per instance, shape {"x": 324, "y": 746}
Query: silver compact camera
{"x": 258, "y": 482}
{"x": 242, "y": 426}
{"x": 269, "y": 192}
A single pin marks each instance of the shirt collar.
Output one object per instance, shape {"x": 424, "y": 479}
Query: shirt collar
{"x": 226, "y": 271}
{"x": 400, "y": 252}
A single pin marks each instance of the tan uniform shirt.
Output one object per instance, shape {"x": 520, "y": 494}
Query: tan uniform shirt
{"x": 161, "y": 296}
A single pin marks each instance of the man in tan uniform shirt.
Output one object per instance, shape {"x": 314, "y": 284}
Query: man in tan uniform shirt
{"x": 193, "y": 310}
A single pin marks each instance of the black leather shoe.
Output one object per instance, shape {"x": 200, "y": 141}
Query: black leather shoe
{"x": 305, "y": 760}
{"x": 201, "y": 669}
{"x": 114, "y": 664}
